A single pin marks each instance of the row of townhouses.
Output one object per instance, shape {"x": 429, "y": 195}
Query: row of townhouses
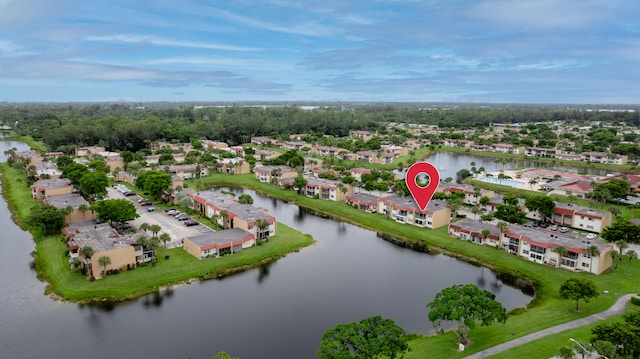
{"x": 539, "y": 245}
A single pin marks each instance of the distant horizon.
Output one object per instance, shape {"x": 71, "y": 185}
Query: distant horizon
{"x": 301, "y": 103}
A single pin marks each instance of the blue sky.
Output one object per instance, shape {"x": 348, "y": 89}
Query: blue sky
{"x": 539, "y": 51}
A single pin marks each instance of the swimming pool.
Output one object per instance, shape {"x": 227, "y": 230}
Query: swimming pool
{"x": 505, "y": 181}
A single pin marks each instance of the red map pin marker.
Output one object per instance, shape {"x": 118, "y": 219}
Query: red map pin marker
{"x": 422, "y": 195}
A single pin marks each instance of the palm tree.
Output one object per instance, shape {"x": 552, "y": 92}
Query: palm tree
{"x": 564, "y": 352}
{"x": 144, "y": 227}
{"x": 224, "y": 214}
{"x": 562, "y": 251}
{"x": 165, "y": 237}
{"x": 485, "y": 233}
{"x": 622, "y": 245}
{"x": 631, "y": 255}
{"x": 104, "y": 261}
{"x": 475, "y": 210}
{"x": 502, "y": 226}
{"x": 83, "y": 207}
{"x": 593, "y": 251}
{"x": 155, "y": 228}
{"x": 615, "y": 211}
{"x": 613, "y": 255}
{"x": 261, "y": 225}
{"x": 476, "y": 193}
{"x": 454, "y": 204}
{"x": 66, "y": 211}
{"x": 87, "y": 251}
{"x": 533, "y": 182}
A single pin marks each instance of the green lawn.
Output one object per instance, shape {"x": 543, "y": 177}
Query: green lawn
{"x": 52, "y": 262}
{"x": 546, "y": 310}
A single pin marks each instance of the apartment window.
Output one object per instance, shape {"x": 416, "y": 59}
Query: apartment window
{"x": 585, "y": 265}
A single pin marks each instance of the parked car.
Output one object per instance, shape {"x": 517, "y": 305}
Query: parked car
{"x": 182, "y": 217}
{"x": 176, "y": 213}
{"x": 191, "y": 222}
{"x": 150, "y": 209}
{"x": 544, "y": 225}
{"x": 553, "y": 228}
{"x": 591, "y": 235}
{"x": 171, "y": 212}
{"x": 145, "y": 203}
{"x": 169, "y": 209}
{"x": 563, "y": 229}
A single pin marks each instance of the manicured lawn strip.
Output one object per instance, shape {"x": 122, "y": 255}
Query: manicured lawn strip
{"x": 16, "y": 191}
{"x": 53, "y": 265}
{"x": 545, "y": 311}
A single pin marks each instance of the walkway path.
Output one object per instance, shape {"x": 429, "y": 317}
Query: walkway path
{"x": 618, "y": 308}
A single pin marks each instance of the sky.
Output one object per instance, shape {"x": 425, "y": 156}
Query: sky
{"x": 475, "y": 51}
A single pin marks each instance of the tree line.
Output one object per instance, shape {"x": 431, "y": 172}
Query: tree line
{"x": 126, "y": 127}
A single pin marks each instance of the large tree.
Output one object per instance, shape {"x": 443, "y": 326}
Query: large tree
{"x": 373, "y": 337}
{"x": 93, "y": 185}
{"x": 618, "y": 188}
{"x": 621, "y": 230}
{"x": 466, "y": 305}
{"x": 625, "y": 336}
{"x": 541, "y": 204}
{"x": 115, "y": 210}
{"x": 578, "y": 288}
{"x": 74, "y": 171}
{"x": 154, "y": 182}
{"x": 46, "y": 217}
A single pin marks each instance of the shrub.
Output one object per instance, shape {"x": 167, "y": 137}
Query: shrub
{"x": 635, "y": 300}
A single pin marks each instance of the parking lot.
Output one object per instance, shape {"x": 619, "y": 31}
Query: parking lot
{"x": 175, "y": 228}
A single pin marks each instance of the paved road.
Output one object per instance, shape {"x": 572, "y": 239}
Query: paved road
{"x": 617, "y": 308}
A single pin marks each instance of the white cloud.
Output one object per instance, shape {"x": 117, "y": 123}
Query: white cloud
{"x": 153, "y": 40}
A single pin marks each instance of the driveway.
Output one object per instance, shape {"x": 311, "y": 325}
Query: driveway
{"x": 175, "y": 228}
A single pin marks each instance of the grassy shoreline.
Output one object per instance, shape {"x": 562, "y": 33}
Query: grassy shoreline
{"x": 545, "y": 310}
{"x": 52, "y": 265}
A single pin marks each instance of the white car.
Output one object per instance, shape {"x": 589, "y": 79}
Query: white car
{"x": 591, "y": 235}
{"x": 563, "y": 229}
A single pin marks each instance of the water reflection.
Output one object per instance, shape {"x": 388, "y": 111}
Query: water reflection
{"x": 263, "y": 272}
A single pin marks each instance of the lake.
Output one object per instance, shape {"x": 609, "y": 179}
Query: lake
{"x": 277, "y": 311}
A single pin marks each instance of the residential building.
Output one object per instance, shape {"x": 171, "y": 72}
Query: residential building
{"x": 506, "y": 148}
{"x": 471, "y": 230}
{"x": 271, "y": 174}
{"x": 470, "y": 197}
{"x": 32, "y": 156}
{"x": 263, "y": 141}
{"x": 363, "y": 201}
{"x": 540, "y": 152}
{"x": 322, "y": 188}
{"x": 538, "y": 245}
{"x": 88, "y": 151}
{"x": 215, "y": 145}
{"x": 216, "y": 244}
{"x": 79, "y": 206}
{"x": 310, "y": 163}
{"x": 327, "y": 150}
{"x": 575, "y": 216}
{"x": 47, "y": 170}
{"x": 104, "y": 241}
{"x": 228, "y": 213}
{"x": 358, "y": 172}
{"x": 50, "y": 187}
{"x": 405, "y": 210}
{"x": 233, "y": 166}
{"x": 188, "y": 171}
{"x": 262, "y": 155}
{"x": 603, "y": 157}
